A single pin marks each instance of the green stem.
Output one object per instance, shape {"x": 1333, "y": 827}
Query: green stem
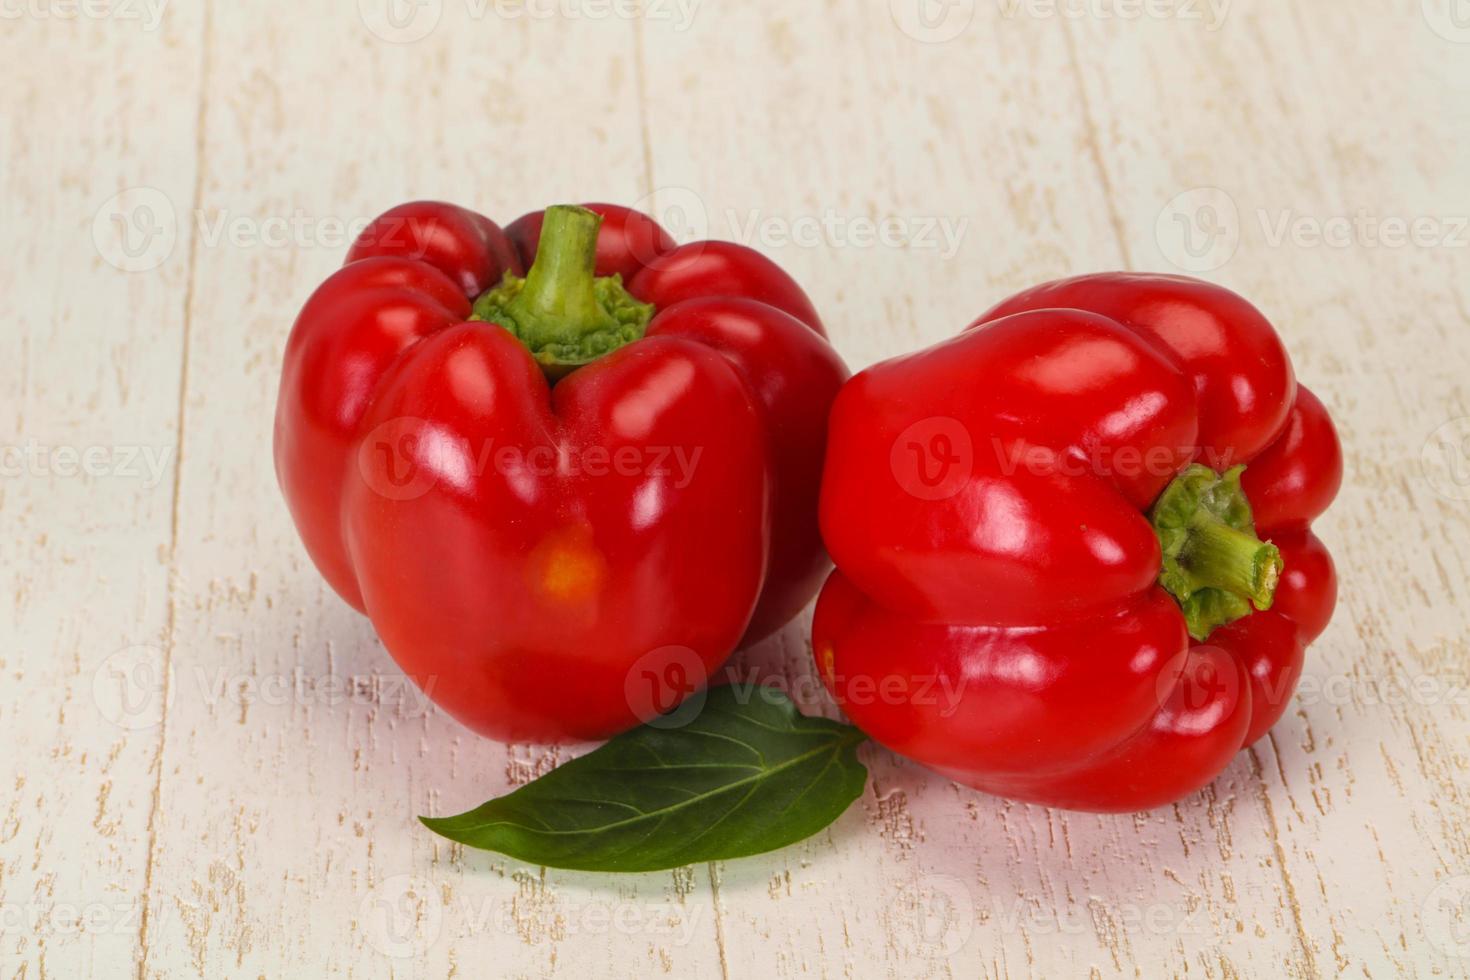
{"x": 557, "y": 304}
{"x": 1214, "y": 565}
{"x": 562, "y": 311}
{"x": 1218, "y": 556}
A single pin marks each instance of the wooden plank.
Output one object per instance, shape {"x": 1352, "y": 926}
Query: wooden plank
{"x": 96, "y": 125}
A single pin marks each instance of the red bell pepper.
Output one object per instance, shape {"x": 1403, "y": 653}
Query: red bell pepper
{"x": 1054, "y": 580}
{"x": 548, "y": 489}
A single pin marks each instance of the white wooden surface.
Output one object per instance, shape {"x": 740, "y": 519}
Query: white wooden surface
{"x": 211, "y": 766}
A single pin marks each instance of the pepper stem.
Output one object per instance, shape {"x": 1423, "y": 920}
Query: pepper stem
{"x": 1217, "y": 556}
{"x": 557, "y": 304}
{"x": 562, "y": 311}
{"x": 1213, "y": 563}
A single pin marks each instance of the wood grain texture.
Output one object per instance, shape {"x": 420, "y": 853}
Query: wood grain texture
{"x": 215, "y": 767}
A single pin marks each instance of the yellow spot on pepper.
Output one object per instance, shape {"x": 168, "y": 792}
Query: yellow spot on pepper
{"x": 827, "y": 663}
{"x": 567, "y": 567}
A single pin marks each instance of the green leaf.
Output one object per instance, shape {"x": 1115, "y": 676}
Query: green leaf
{"x": 747, "y": 774}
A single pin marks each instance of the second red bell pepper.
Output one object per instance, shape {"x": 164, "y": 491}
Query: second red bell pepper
{"x": 1055, "y": 582}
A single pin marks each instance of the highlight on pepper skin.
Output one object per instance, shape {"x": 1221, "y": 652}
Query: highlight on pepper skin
{"x": 1093, "y": 507}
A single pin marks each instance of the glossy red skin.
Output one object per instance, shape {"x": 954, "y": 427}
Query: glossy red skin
{"x": 467, "y": 247}
{"x": 476, "y": 513}
{"x": 1006, "y": 593}
{"x": 795, "y": 375}
{"x": 701, "y": 269}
